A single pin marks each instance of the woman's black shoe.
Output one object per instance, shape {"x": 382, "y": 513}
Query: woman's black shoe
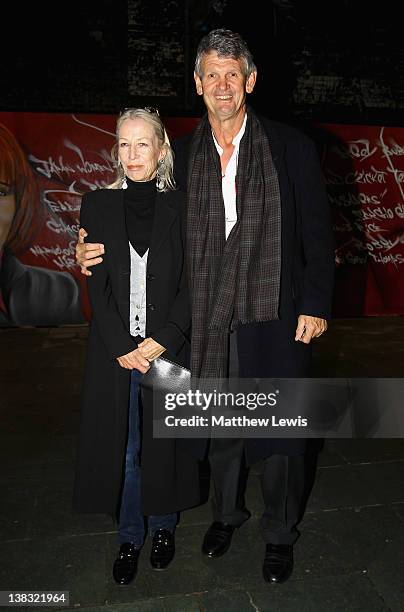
{"x": 163, "y": 549}
{"x": 125, "y": 565}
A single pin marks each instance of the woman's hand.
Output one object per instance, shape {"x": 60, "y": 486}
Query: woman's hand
{"x": 134, "y": 361}
{"x": 151, "y": 349}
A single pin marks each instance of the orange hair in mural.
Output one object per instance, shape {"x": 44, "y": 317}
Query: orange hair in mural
{"x": 29, "y": 213}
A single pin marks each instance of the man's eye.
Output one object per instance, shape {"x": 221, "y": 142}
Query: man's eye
{"x": 123, "y": 144}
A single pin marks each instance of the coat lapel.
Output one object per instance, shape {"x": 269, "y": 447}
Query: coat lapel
{"x": 118, "y": 232}
{"x": 164, "y": 216}
{"x": 120, "y": 260}
{"x": 277, "y": 145}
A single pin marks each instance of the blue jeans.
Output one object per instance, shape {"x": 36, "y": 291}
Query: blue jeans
{"x": 131, "y": 520}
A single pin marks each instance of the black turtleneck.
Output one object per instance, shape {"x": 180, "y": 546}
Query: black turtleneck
{"x": 140, "y": 203}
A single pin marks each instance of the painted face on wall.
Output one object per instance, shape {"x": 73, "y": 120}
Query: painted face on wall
{"x": 7, "y": 209}
{"x": 139, "y": 149}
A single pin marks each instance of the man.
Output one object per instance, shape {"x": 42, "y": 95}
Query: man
{"x": 261, "y": 266}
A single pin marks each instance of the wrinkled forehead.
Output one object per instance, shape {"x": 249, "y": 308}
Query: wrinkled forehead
{"x": 137, "y": 127}
{"x": 219, "y": 59}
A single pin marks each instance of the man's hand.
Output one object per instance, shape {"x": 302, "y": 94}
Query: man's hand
{"x": 151, "y": 349}
{"x": 87, "y": 254}
{"x": 134, "y": 360}
{"x": 309, "y": 327}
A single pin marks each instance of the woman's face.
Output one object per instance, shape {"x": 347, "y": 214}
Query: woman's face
{"x": 7, "y": 209}
{"x": 139, "y": 149}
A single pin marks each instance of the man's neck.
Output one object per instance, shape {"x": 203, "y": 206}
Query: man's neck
{"x": 226, "y": 130}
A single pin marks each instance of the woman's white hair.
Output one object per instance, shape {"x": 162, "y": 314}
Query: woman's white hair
{"x": 165, "y": 169}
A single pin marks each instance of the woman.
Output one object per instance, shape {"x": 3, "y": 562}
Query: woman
{"x": 140, "y": 310}
{"x": 29, "y": 295}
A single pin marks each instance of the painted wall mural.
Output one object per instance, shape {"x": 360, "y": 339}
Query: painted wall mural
{"x": 47, "y": 161}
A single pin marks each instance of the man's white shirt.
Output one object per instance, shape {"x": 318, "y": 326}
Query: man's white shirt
{"x": 229, "y": 180}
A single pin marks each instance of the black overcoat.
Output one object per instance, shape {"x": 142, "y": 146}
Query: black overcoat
{"x": 269, "y": 350}
{"x": 169, "y": 477}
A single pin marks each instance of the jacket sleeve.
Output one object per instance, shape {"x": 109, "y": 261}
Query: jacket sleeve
{"x": 317, "y": 238}
{"x": 178, "y": 328}
{"x": 181, "y": 147}
{"x": 106, "y": 316}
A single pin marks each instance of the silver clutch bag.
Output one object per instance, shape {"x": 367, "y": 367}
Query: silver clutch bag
{"x": 165, "y": 376}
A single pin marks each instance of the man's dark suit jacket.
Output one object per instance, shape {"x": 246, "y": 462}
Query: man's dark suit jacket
{"x": 269, "y": 350}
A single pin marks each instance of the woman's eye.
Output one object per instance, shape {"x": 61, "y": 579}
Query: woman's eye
{"x": 123, "y": 144}
{"x": 5, "y": 191}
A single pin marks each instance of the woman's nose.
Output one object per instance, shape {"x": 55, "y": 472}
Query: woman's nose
{"x": 132, "y": 152}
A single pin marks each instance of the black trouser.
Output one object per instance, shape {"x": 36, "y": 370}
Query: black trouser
{"x": 282, "y": 483}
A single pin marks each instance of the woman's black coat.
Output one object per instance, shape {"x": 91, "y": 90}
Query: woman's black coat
{"x": 169, "y": 477}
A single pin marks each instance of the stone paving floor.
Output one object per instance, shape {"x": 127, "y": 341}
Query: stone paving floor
{"x": 350, "y": 556}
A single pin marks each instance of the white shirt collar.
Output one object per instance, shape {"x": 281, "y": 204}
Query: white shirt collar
{"x": 236, "y": 139}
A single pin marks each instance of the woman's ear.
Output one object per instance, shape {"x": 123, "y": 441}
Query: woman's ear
{"x": 163, "y": 152}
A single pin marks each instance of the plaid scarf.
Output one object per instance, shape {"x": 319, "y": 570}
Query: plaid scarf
{"x": 235, "y": 281}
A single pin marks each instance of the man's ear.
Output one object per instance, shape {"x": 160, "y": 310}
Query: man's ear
{"x": 250, "y": 84}
{"x": 198, "y": 84}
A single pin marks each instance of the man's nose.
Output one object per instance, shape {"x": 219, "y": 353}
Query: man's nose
{"x": 223, "y": 84}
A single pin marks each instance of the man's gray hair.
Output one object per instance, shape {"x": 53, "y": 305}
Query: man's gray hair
{"x": 226, "y": 43}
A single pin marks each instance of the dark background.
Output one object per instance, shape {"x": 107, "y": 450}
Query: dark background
{"x": 339, "y": 61}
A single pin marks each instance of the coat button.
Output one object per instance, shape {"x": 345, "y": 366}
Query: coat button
{"x": 150, "y": 277}
{"x": 151, "y": 307}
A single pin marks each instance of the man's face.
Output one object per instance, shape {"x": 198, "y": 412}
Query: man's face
{"x": 7, "y": 209}
{"x": 223, "y": 85}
